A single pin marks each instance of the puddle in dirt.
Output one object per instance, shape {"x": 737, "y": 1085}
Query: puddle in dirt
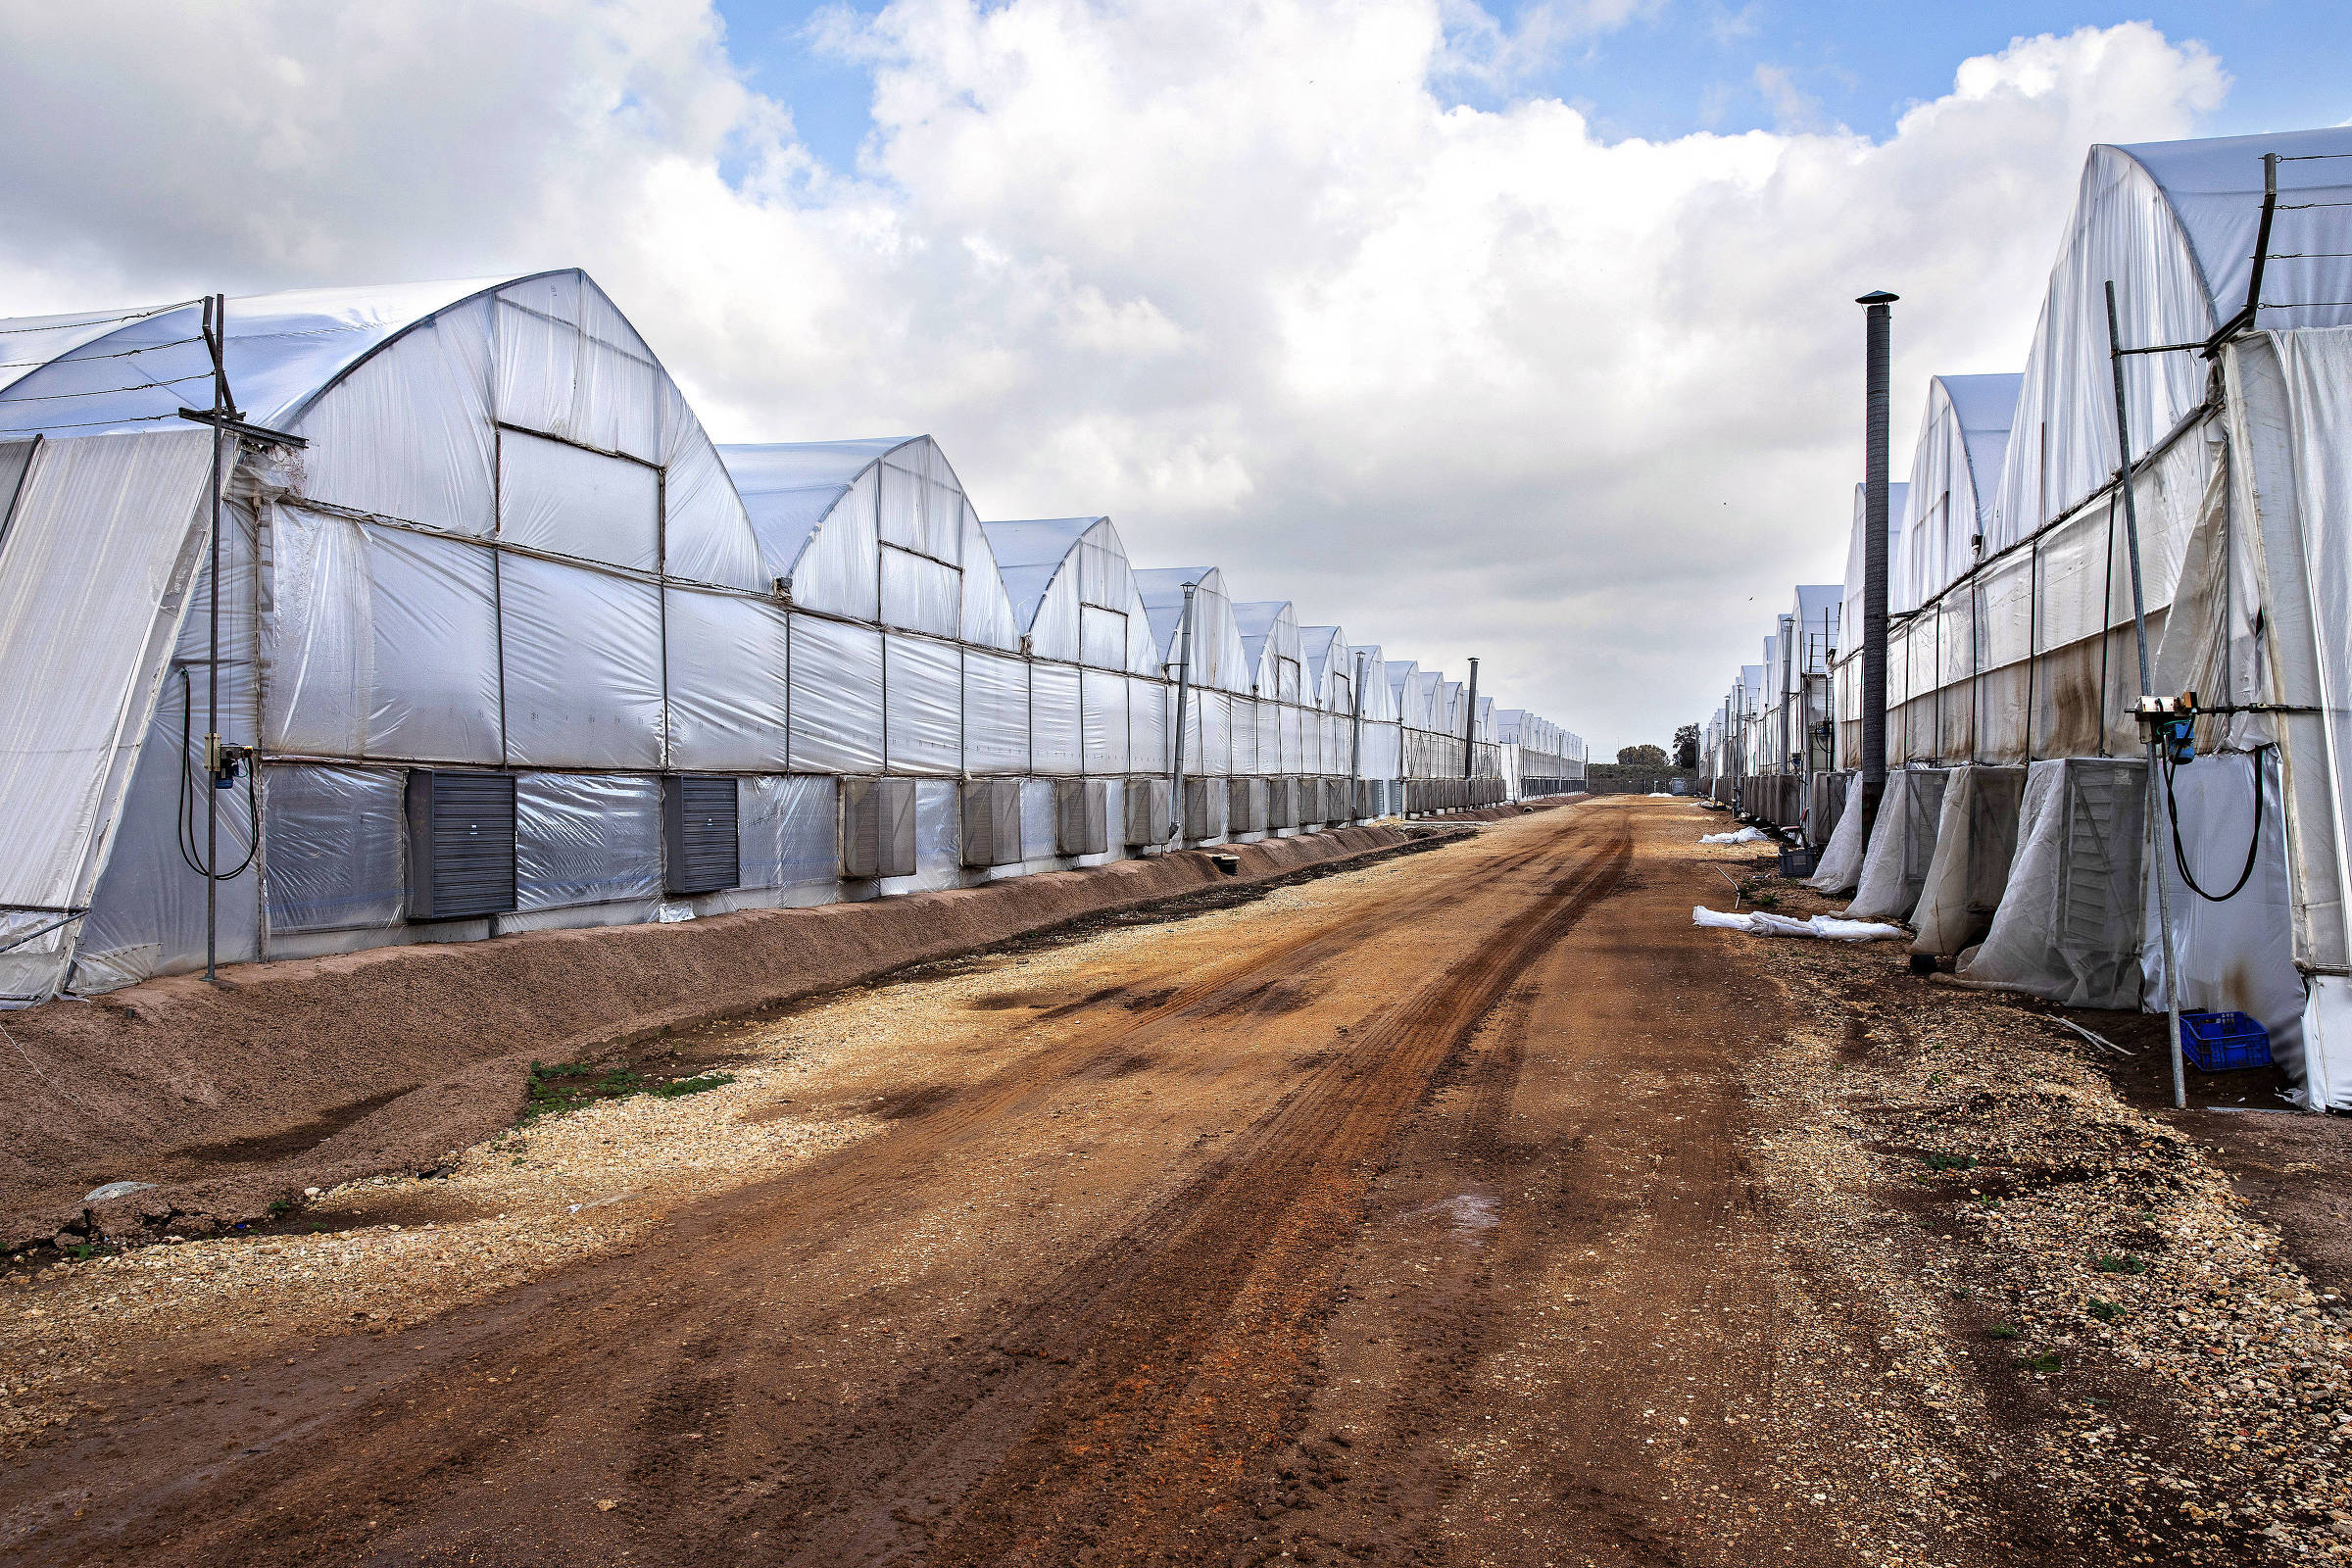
{"x": 1468, "y": 1214}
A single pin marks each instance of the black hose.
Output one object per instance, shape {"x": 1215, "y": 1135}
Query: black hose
{"x": 186, "y": 825}
{"x": 2180, "y": 856}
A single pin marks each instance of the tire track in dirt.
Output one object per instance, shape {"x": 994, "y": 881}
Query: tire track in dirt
{"x": 1192, "y": 1343}
{"x": 675, "y": 1361}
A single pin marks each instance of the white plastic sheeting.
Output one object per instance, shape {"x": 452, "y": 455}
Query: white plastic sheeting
{"x": 2068, "y": 928}
{"x": 587, "y": 838}
{"x": 2235, "y": 955}
{"x": 98, "y": 556}
{"x": 1902, "y": 842}
{"x": 583, "y": 658}
{"x": 788, "y": 831}
{"x": 996, "y": 714}
{"x": 1975, "y": 840}
{"x": 1955, "y": 467}
{"x": 923, "y": 682}
{"x": 2173, "y": 226}
{"x": 338, "y": 848}
{"x": 728, "y": 657}
{"x": 1215, "y": 655}
{"x": 836, "y": 681}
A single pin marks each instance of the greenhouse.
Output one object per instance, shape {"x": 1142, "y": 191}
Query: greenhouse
{"x": 505, "y": 640}
{"x": 2012, "y": 652}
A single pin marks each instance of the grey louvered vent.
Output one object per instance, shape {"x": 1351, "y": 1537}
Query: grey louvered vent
{"x": 1080, "y": 809}
{"x": 1205, "y": 803}
{"x": 1282, "y": 803}
{"x": 1247, "y": 812}
{"x": 701, "y": 850}
{"x": 992, "y": 821}
{"x": 1146, "y": 811}
{"x": 877, "y": 827}
{"x": 461, "y": 844}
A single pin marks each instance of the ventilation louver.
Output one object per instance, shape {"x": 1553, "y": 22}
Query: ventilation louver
{"x": 1146, "y": 811}
{"x": 877, "y": 827}
{"x": 461, "y": 844}
{"x": 992, "y": 822}
{"x": 701, "y": 850}
{"x": 1081, "y": 806}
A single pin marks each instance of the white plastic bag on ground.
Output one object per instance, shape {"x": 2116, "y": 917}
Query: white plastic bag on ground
{"x": 1747, "y": 835}
{"x": 1764, "y": 923}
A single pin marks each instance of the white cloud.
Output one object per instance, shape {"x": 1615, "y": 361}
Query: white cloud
{"x": 1467, "y": 383}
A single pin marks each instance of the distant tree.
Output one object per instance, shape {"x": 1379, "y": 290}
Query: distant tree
{"x": 1686, "y": 746}
{"x": 1640, "y": 757}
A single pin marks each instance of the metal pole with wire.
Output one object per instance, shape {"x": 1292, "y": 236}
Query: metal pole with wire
{"x": 216, "y": 309}
{"x": 2147, "y": 699}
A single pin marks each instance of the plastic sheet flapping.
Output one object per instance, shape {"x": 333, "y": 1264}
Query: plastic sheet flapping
{"x": 582, "y": 654}
{"x": 2069, "y": 925}
{"x": 1902, "y": 842}
{"x": 996, "y": 714}
{"x": 1103, "y": 721}
{"x": 788, "y": 831}
{"x": 729, "y": 686}
{"x": 923, "y": 719}
{"x": 380, "y": 642}
{"x": 571, "y": 502}
{"x": 1056, "y": 740}
{"x": 336, "y": 847}
{"x": 1975, "y": 840}
{"x": 586, "y": 838}
{"x": 95, "y": 567}
{"x": 836, "y": 697}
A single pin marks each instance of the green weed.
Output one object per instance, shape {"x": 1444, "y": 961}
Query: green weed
{"x": 2110, "y": 1263}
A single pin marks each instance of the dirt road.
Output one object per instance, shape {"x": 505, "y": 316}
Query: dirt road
{"x": 1419, "y": 1224}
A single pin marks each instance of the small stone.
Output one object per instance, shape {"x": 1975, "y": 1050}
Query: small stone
{"x": 605, "y": 1505}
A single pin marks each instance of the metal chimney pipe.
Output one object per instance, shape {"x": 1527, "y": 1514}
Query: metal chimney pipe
{"x": 1875, "y": 320}
{"x": 1470, "y": 723}
{"x": 1183, "y": 693}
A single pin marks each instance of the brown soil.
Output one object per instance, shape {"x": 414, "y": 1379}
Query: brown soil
{"x": 312, "y": 1072}
{"x": 1488, "y": 1214}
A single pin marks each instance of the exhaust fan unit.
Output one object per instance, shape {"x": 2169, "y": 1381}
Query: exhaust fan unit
{"x": 992, "y": 821}
{"x": 700, "y": 851}
{"x": 1146, "y": 811}
{"x": 877, "y": 827}
{"x": 461, "y": 844}
{"x": 1081, "y": 807}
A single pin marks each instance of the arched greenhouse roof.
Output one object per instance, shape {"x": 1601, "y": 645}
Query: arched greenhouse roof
{"x": 2172, "y": 224}
{"x": 1073, "y": 592}
{"x": 876, "y": 529}
{"x": 1849, "y": 606}
{"x": 1269, "y": 631}
{"x": 1955, "y": 473}
{"x": 1217, "y": 659}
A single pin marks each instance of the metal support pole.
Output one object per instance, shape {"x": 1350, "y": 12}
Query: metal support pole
{"x": 1875, "y": 332}
{"x": 1470, "y": 724}
{"x": 1355, "y": 739}
{"x": 216, "y": 313}
{"x": 2139, "y": 627}
{"x": 1184, "y": 689}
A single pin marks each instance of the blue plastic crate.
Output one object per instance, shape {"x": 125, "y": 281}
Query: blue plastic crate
{"x": 2223, "y": 1042}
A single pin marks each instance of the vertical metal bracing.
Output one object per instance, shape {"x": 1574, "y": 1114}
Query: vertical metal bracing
{"x": 2139, "y": 627}
{"x": 1470, "y": 723}
{"x": 1874, "y": 328}
{"x": 216, "y": 334}
{"x": 1183, "y": 691}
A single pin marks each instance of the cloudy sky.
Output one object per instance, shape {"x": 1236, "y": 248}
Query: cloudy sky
{"x": 1522, "y": 332}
